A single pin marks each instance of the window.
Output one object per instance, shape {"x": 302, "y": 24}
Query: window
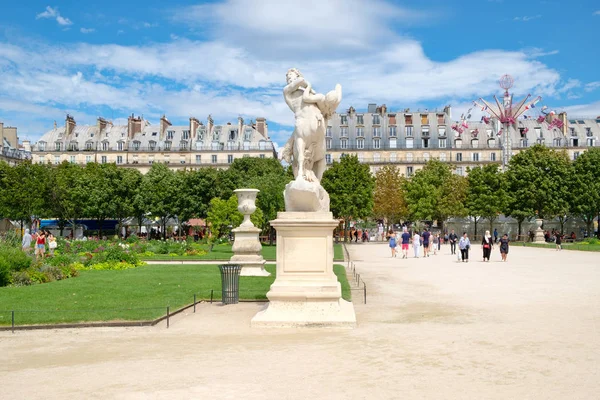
{"x": 458, "y": 143}
{"x": 580, "y": 121}
{"x": 328, "y": 143}
{"x": 523, "y": 142}
{"x": 119, "y": 159}
{"x": 328, "y": 132}
{"x": 213, "y": 158}
{"x": 408, "y": 119}
{"x": 73, "y": 146}
{"x": 103, "y": 158}
{"x": 167, "y": 159}
{"x": 459, "y": 157}
{"x": 183, "y": 145}
{"x": 393, "y": 157}
{"x": 459, "y": 171}
{"x": 426, "y": 157}
{"x": 590, "y": 142}
{"x": 575, "y": 142}
{"x": 56, "y": 159}
{"x": 489, "y": 133}
{"x": 151, "y": 160}
{"x": 229, "y": 158}
{"x": 88, "y": 159}
{"x": 376, "y": 131}
{"x": 441, "y": 131}
{"x": 360, "y": 131}
{"x": 57, "y": 146}
{"x": 573, "y": 133}
{"x": 170, "y": 135}
{"x": 344, "y": 143}
{"x": 475, "y": 156}
{"x": 89, "y": 146}
{"x": 425, "y": 143}
{"x": 186, "y": 135}
{"x": 392, "y": 131}
{"x": 409, "y": 171}
{"x": 588, "y": 132}
{"x": 120, "y": 145}
{"x": 217, "y": 134}
{"x": 328, "y": 158}
{"x": 393, "y": 143}
{"x": 442, "y": 156}
{"x": 523, "y": 132}
{"x": 575, "y": 155}
{"x": 425, "y": 131}
{"x": 181, "y": 160}
{"x": 152, "y": 145}
{"x": 360, "y": 120}
{"x": 72, "y": 159}
{"x": 105, "y": 146}
{"x": 409, "y": 157}
{"x": 557, "y": 142}
{"x": 376, "y": 157}
{"x": 232, "y": 134}
{"x": 42, "y": 146}
{"x": 261, "y": 156}
{"x": 443, "y": 143}
{"x": 409, "y": 143}
{"x": 198, "y": 158}
{"x": 167, "y": 145}
{"x": 408, "y": 130}
{"x": 538, "y": 133}
{"x": 360, "y": 143}
{"x": 136, "y": 145}
{"x": 440, "y": 119}
{"x": 154, "y": 133}
{"x": 343, "y": 119}
{"x": 491, "y": 143}
{"x": 424, "y": 119}
{"x": 377, "y": 143}
{"x": 475, "y": 143}
{"x": 344, "y": 131}
{"x": 492, "y": 156}
{"x": 376, "y": 120}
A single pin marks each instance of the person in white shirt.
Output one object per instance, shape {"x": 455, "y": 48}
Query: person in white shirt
{"x": 416, "y": 242}
{"x": 26, "y": 243}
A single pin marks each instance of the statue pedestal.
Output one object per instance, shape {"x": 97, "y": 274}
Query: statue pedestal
{"x": 539, "y": 232}
{"x": 306, "y": 292}
{"x": 247, "y": 252}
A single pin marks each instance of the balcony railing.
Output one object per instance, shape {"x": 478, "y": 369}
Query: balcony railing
{"x": 156, "y": 149}
{"x": 16, "y": 154}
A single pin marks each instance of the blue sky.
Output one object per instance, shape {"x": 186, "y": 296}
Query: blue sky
{"x": 229, "y": 57}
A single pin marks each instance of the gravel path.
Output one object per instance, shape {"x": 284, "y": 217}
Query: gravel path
{"x": 432, "y": 329}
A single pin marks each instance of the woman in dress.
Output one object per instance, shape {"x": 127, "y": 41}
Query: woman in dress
{"x": 416, "y": 242}
{"x": 486, "y": 244}
{"x": 464, "y": 245}
{"x": 392, "y": 239}
{"x": 504, "y": 246}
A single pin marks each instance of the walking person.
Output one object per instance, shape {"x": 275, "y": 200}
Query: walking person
{"x": 464, "y": 245}
{"x": 486, "y": 245}
{"x": 559, "y": 238}
{"x": 436, "y": 243}
{"x": 40, "y": 245}
{"x": 495, "y": 235}
{"x": 504, "y": 246}
{"x": 392, "y": 239}
{"x": 416, "y": 242}
{"x": 26, "y": 242}
{"x": 405, "y": 242}
{"x": 426, "y": 236}
{"x": 453, "y": 238}
{"x": 52, "y": 244}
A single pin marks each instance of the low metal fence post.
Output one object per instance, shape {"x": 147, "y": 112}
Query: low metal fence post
{"x": 167, "y": 317}
{"x": 365, "y": 291}
{"x": 13, "y": 320}
{"x": 211, "y": 295}
{"x": 194, "y": 302}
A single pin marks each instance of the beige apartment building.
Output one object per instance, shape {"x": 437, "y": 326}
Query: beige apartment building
{"x": 408, "y": 139}
{"x": 10, "y": 150}
{"x": 140, "y": 144}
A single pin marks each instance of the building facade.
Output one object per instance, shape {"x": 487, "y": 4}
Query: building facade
{"x": 140, "y": 144}
{"x": 408, "y": 139}
{"x": 10, "y": 149}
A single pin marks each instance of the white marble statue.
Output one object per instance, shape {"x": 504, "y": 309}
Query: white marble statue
{"x": 306, "y": 149}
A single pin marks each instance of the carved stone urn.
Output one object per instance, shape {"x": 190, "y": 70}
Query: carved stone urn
{"x": 539, "y": 232}
{"x": 246, "y": 245}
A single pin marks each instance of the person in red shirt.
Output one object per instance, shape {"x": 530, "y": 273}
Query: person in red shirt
{"x": 40, "y": 245}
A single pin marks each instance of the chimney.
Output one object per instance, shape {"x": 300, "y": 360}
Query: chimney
{"x": 27, "y": 145}
{"x": 448, "y": 111}
{"x": 240, "y": 127}
{"x": 134, "y": 126}
{"x": 194, "y": 123}
{"x": 209, "y": 128}
{"x": 101, "y": 124}
{"x": 69, "y": 125}
{"x": 261, "y": 127}
{"x": 351, "y": 111}
{"x": 164, "y": 124}
{"x": 564, "y": 120}
{"x": 382, "y": 110}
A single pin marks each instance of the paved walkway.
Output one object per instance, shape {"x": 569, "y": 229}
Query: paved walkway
{"x": 432, "y": 329}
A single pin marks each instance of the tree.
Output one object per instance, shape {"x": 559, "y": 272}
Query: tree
{"x": 389, "y": 202}
{"x": 197, "y": 190}
{"x": 125, "y": 194}
{"x": 160, "y": 190}
{"x": 66, "y": 194}
{"x": 435, "y": 193}
{"x": 350, "y": 186}
{"x": 537, "y": 180}
{"x": 270, "y": 198}
{"x": 585, "y": 188}
{"x": 486, "y": 193}
{"x": 223, "y": 216}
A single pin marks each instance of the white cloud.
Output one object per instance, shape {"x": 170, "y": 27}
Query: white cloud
{"x": 527, "y": 18}
{"x": 596, "y": 12}
{"x": 590, "y": 87}
{"x": 591, "y": 110}
{"x": 53, "y": 13}
{"x": 87, "y": 30}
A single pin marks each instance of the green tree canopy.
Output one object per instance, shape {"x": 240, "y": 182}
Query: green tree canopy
{"x": 585, "y": 187}
{"x": 223, "y": 216}
{"x": 389, "y": 200}
{"x": 160, "y": 190}
{"x": 486, "y": 193}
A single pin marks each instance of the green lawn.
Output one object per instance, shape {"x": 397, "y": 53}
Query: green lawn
{"x": 565, "y": 246}
{"x": 134, "y": 295}
{"x": 223, "y": 252}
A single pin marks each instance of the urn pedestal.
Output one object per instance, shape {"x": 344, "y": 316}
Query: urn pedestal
{"x": 246, "y": 245}
{"x": 539, "y": 232}
{"x": 306, "y": 292}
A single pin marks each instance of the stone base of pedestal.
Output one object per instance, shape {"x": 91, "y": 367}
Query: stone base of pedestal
{"x": 539, "y": 236}
{"x": 252, "y": 268}
{"x": 306, "y": 292}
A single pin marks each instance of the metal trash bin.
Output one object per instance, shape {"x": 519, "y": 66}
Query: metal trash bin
{"x": 230, "y": 283}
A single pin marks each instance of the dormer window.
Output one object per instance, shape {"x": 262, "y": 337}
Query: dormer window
{"x": 343, "y": 119}
{"x": 248, "y": 135}
{"x": 183, "y": 145}
{"x": 232, "y": 135}
{"x": 105, "y": 146}
{"x": 217, "y": 134}
{"x": 360, "y": 120}
{"x": 538, "y": 133}
{"x": 42, "y": 146}
{"x": 152, "y": 145}
{"x": 154, "y": 133}
{"x": 73, "y": 146}
{"x": 588, "y": 132}
{"x": 573, "y": 133}
{"x": 89, "y": 146}
{"x": 185, "y": 135}
{"x": 136, "y": 145}
{"x": 200, "y": 133}
{"x": 170, "y": 135}
{"x": 58, "y": 146}
{"x": 376, "y": 119}
{"x": 120, "y": 145}
{"x": 167, "y": 145}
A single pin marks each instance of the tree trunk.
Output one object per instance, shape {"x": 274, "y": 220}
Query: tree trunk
{"x": 164, "y": 226}
{"x": 270, "y": 235}
{"x": 22, "y": 229}
{"x": 475, "y": 234}
{"x": 520, "y": 223}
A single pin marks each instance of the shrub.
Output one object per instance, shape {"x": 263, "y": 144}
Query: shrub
{"x": 61, "y": 260}
{"x": 114, "y": 265}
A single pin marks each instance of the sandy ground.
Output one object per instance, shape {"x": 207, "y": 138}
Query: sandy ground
{"x": 432, "y": 329}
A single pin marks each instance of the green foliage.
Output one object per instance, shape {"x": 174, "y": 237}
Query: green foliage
{"x": 159, "y": 191}
{"x": 223, "y": 216}
{"x": 350, "y": 186}
{"x": 585, "y": 186}
{"x": 486, "y": 193}
{"x": 389, "y": 200}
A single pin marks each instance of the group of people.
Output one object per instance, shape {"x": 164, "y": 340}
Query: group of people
{"x": 432, "y": 242}
{"x": 40, "y": 239}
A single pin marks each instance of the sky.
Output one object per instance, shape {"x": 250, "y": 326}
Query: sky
{"x": 228, "y": 58}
